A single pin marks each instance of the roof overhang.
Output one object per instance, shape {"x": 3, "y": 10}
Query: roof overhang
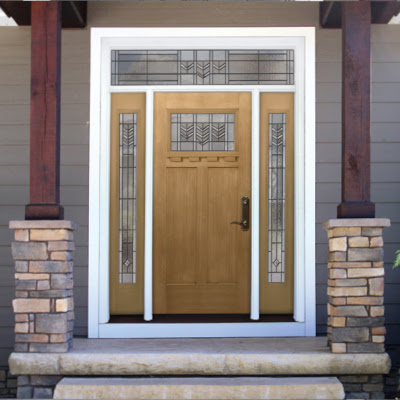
{"x": 330, "y": 12}
{"x": 73, "y": 12}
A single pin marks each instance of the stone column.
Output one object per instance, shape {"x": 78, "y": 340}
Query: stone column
{"x": 356, "y": 285}
{"x": 44, "y": 303}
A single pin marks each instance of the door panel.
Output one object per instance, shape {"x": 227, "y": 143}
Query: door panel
{"x": 127, "y": 203}
{"x": 223, "y": 208}
{"x": 181, "y": 204}
{"x": 276, "y": 203}
{"x": 201, "y": 261}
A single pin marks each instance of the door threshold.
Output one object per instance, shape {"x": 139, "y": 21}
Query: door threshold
{"x": 199, "y": 318}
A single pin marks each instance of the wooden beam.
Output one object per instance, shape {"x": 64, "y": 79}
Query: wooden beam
{"x": 74, "y": 13}
{"x": 382, "y": 12}
{"x": 330, "y": 14}
{"x": 356, "y": 67}
{"x": 20, "y": 11}
{"x": 324, "y": 12}
{"x": 45, "y": 111}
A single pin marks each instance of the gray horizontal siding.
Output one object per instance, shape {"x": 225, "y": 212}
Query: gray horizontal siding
{"x": 14, "y": 131}
{"x": 201, "y": 13}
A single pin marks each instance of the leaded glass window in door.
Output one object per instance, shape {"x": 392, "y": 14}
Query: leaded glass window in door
{"x": 127, "y": 197}
{"x": 276, "y": 201}
{"x": 202, "y": 132}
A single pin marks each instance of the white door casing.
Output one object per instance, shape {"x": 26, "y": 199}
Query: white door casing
{"x": 103, "y": 40}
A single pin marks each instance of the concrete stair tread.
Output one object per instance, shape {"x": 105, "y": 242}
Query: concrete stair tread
{"x": 200, "y": 388}
{"x": 292, "y": 356}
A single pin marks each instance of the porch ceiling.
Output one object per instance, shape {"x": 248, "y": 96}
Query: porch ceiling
{"x": 73, "y": 12}
{"x": 381, "y": 12}
{"x": 213, "y": 356}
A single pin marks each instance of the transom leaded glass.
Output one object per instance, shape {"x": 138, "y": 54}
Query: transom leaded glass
{"x": 202, "y": 132}
{"x": 127, "y": 197}
{"x": 202, "y": 67}
{"x": 277, "y": 193}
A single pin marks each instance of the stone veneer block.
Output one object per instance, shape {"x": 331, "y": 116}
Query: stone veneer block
{"x": 347, "y": 311}
{"x": 358, "y": 241}
{"x": 339, "y": 232}
{"x": 356, "y": 285}
{"x": 363, "y": 254}
{"x": 22, "y": 235}
{"x": 337, "y": 274}
{"x": 357, "y": 223}
{"x": 40, "y": 235}
{"x": 43, "y": 224}
{"x": 338, "y": 244}
{"x": 29, "y": 251}
{"x": 44, "y": 306}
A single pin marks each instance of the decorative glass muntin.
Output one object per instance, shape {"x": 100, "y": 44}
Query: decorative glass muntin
{"x": 202, "y": 67}
{"x": 127, "y": 197}
{"x": 202, "y": 132}
{"x": 277, "y": 197}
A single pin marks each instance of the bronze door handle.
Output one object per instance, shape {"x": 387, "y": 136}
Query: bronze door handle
{"x": 244, "y": 223}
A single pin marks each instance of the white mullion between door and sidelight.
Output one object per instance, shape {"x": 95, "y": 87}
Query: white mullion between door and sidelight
{"x": 104, "y": 166}
{"x": 148, "y": 224}
{"x": 255, "y": 205}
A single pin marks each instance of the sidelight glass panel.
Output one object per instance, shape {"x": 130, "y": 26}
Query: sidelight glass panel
{"x": 202, "y": 67}
{"x": 277, "y": 192}
{"x": 202, "y": 132}
{"x": 127, "y": 197}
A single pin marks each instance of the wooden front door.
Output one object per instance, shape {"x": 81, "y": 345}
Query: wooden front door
{"x": 202, "y": 170}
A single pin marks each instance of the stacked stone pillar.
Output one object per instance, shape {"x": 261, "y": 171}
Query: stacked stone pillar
{"x": 44, "y": 303}
{"x": 356, "y": 285}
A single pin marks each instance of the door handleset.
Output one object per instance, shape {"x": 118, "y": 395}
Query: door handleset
{"x": 244, "y": 223}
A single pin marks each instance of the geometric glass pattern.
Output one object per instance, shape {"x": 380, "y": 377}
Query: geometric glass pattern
{"x": 202, "y": 67}
{"x": 202, "y": 132}
{"x": 277, "y": 192}
{"x": 127, "y": 197}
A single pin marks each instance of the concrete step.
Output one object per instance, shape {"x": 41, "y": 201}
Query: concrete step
{"x": 200, "y": 388}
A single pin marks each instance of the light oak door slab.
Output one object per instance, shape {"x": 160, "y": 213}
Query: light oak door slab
{"x": 201, "y": 262}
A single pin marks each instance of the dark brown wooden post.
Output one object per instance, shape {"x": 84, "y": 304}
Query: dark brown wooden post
{"x": 45, "y": 111}
{"x": 356, "y": 53}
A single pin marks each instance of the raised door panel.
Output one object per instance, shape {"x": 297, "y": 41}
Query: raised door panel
{"x": 181, "y": 226}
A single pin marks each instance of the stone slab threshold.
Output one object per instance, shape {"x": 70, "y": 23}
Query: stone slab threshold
{"x": 199, "y": 388}
{"x": 218, "y": 357}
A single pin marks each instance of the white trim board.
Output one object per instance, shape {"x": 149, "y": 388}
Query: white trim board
{"x": 103, "y": 40}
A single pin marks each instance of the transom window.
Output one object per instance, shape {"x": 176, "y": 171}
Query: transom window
{"x": 202, "y": 67}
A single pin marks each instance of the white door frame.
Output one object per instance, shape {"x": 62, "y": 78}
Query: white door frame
{"x": 103, "y": 40}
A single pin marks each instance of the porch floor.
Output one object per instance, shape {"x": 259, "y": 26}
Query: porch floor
{"x": 211, "y": 356}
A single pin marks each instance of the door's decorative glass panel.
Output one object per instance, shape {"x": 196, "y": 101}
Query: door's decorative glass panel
{"x": 127, "y": 197}
{"x": 202, "y": 67}
{"x": 277, "y": 192}
{"x": 202, "y": 132}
